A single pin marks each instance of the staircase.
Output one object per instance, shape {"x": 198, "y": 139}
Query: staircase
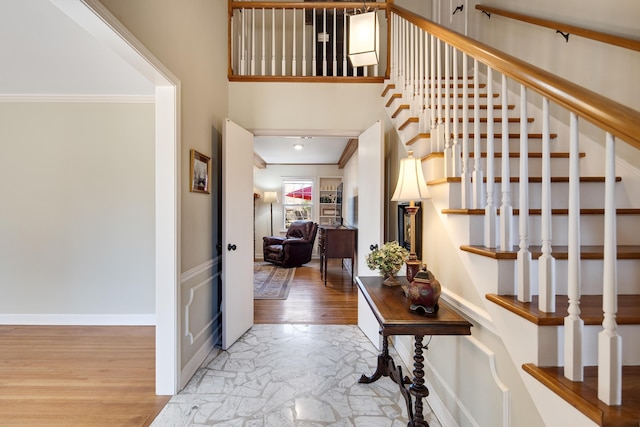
{"x": 543, "y": 282}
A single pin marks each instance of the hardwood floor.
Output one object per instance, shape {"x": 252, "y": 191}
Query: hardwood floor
{"x": 310, "y": 302}
{"x": 78, "y": 376}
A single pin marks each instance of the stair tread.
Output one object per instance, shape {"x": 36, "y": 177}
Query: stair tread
{"x": 590, "y": 309}
{"x": 511, "y": 135}
{"x": 586, "y": 211}
{"x": 584, "y": 395}
{"x": 532, "y": 155}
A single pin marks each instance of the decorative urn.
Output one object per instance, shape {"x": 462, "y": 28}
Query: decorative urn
{"x": 424, "y": 292}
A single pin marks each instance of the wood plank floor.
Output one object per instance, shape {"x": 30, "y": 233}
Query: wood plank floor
{"x": 310, "y": 302}
{"x": 78, "y": 376}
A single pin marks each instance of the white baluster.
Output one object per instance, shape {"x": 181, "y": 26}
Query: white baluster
{"x": 416, "y": 73}
{"x": 324, "y": 42}
{"x": 273, "y": 42}
{"x": 456, "y": 165}
{"x": 609, "y": 342}
{"x": 478, "y": 173}
{"x": 465, "y": 177}
{"x": 411, "y": 70}
{"x": 490, "y": 211}
{"x": 315, "y": 43}
{"x": 284, "y": 48}
{"x": 524, "y": 255}
{"x": 243, "y": 59}
{"x": 506, "y": 209}
{"x": 573, "y": 324}
{"x": 304, "y": 42}
{"x": 421, "y": 83}
{"x": 253, "y": 42}
{"x": 293, "y": 50}
{"x": 344, "y": 43}
{"x": 546, "y": 262}
{"x": 434, "y": 92}
{"x": 439, "y": 139}
{"x": 263, "y": 61}
{"x": 448, "y": 150}
{"x": 335, "y": 57}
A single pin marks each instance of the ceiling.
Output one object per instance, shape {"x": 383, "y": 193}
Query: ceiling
{"x": 315, "y": 149}
{"x": 45, "y": 53}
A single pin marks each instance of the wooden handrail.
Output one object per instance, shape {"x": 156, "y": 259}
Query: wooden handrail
{"x": 619, "y": 120}
{"x": 626, "y": 42}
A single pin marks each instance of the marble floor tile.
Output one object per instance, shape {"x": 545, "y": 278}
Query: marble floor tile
{"x": 290, "y": 375}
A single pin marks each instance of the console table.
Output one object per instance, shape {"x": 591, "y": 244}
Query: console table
{"x": 335, "y": 242}
{"x": 391, "y": 309}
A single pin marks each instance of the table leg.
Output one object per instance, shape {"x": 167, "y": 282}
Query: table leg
{"x": 418, "y": 389}
{"x": 383, "y": 363}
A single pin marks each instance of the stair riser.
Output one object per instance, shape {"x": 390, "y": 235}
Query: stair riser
{"x": 591, "y": 229}
{"x": 591, "y": 274}
{"x": 559, "y": 166}
{"x": 551, "y": 345}
{"x": 591, "y": 195}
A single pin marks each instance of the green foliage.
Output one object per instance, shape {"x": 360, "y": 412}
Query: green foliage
{"x": 387, "y": 258}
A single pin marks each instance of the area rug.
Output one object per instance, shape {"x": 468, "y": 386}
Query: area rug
{"x": 271, "y": 281}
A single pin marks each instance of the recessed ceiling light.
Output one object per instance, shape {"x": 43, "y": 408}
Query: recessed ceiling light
{"x": 298, "y": 146}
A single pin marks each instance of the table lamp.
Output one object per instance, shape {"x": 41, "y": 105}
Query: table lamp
{"x": 411, "y": 187}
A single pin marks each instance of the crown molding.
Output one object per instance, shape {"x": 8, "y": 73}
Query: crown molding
{"x": 99, "y": 99}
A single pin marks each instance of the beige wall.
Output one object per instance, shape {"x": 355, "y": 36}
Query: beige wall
{"x": 77, "y": 216}
{"x": 190, "y": 39}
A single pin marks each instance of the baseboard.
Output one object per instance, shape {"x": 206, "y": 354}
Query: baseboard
{"x": 192, "y": 366}
{"x": 79, "y": 319}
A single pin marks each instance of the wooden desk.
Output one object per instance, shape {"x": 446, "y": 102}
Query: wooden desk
{"x": 391, "y": 309}
{"x": 335, "y": 242}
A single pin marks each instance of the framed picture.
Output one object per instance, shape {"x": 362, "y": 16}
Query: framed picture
{"x": 199, "y": 172}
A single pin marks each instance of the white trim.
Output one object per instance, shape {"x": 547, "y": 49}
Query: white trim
{"x": 79, "y": 319}
{"x": 469, "y": 310}
{"x": 187, "y": 327}
{"x": 85, "y": 99}
{"x": 306, "y": 132}
{"x": 199, "y": 269}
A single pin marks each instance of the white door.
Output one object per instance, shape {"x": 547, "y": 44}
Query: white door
{"x": 237, "y": 232}
{"x": 370, "y": 215}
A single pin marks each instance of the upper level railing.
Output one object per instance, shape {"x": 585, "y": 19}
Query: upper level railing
{"x": 299, "y": 41}
{"x": 565, "y": 29}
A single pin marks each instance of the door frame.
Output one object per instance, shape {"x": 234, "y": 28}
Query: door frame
{"x": 101, "y": 24}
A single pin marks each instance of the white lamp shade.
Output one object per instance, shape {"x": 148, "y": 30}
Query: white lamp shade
{"x": 364, "y": 33}
{"x": 271, "y": 197}
{"x": 411, "y": 183}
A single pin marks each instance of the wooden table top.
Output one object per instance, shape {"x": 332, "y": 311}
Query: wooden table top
{"x": 391, "y": 308}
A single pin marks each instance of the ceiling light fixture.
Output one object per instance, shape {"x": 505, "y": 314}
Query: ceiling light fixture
{"x": 298, "y": 146}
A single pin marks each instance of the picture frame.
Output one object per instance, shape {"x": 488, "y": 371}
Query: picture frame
{"x": 199, "y": 172}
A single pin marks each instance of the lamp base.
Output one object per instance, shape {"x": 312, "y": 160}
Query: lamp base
{"x": 413, "y": 266}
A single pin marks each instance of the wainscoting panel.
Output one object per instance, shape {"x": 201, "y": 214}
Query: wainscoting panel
{"x": 197, "y": 315}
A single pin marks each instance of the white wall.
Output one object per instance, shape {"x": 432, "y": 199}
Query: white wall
{"x": 77, "y": 216}
{"x": 270, "y": 179}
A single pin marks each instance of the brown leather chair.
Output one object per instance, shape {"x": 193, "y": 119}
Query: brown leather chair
{"x": 295, "y": 248}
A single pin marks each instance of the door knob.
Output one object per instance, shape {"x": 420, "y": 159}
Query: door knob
{"x": 231, "y": 247}
{"x": 374, "y": 247}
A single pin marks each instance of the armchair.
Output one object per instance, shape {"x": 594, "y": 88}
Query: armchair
{"x": 295, "y": 248}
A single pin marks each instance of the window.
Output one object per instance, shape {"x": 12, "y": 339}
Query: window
{"x": 298, "y": 200}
